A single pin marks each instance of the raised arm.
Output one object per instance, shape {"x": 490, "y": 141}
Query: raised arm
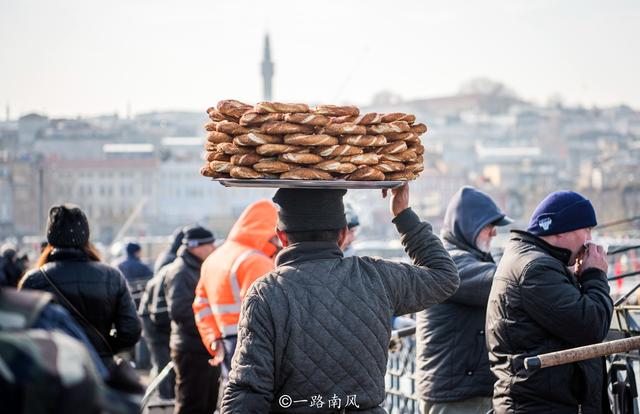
{"x": 433, "y": 277}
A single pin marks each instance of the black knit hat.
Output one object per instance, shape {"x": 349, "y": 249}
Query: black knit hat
{"x": 195, "y": 236}
{"x": 67, "y": 226}
{"x": 309, "y": 210}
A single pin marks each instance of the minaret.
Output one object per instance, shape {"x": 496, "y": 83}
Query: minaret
{"x": 267, "y": 69}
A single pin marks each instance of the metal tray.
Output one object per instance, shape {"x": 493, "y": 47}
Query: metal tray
{"x": 275, "y": 183}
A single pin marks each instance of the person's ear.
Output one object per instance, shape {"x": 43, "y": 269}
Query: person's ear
{"x": 343, "y": 236}
{"x": 282, "y": 236}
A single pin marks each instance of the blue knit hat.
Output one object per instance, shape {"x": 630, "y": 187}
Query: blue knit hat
{"x": 562, "y": 212}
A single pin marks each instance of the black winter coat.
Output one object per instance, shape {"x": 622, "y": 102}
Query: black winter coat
{"x": 536, "y": 306}
{"x": 98, "y": 291}
{"x": 180, "y": 289}
{"x": 452, "y": 363}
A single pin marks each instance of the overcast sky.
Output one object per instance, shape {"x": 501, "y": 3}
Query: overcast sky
{"x": 70, "y": 57}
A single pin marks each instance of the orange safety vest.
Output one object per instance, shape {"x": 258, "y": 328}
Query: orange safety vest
{"x": 227, "y": 274}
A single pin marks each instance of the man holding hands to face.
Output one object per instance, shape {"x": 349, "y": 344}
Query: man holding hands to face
{"x": 549, "y": 293}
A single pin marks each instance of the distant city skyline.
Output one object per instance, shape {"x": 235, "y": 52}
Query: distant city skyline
{"x": 75, "y": 57}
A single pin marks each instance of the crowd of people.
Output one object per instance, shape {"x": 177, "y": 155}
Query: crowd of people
{"x": 283, "y": 316}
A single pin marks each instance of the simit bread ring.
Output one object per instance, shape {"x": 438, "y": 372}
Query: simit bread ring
{"x": 366, "y": 174}
{"x": 401, "y": 136}
{"x": 233, "y": 108}
{"x": 220, "y": 166}
{"x": 398, "y": 116}
{"x": 253, "y": 139}
{"x": 333, "y": 110}
{"x": 208, "y": 172}
{"x": 246, "y": 159}
{"x": 310, "y": 140}
{"x": 278, "y": 127}
{"x": 363, "y": 119}
{"x": 215, "y": 115}
{"x": 233, "y": 149}
{"x": 407, "y": 155}
{"x": 345, "y": 128}
{"x": 271, "y": 107}
{"x": 418, "y": 148}
{"x": 232, "y": 128}
{"x": 277, "y": 149}
{"x": 414, "y": 167}
{"x": 218, "y": 137}
{"x": 245, "y": 172}
{"x": 210, "y": 146}
{"x": 252, "y": 118}
{"x": 298, "y": 158}
{"x": 338, "y": 151}
{"x": 274, "y": 167}
{"x": 396, "y": 126}
{"x": 336, "y": 166}
{"x": 394, "y": 148}
{"x": 369, "y": 158}
{"x": 364, "y": 140}
{"x": 218, "y": 156}
{"x": 389, "y": 166}
{"x": 419, "y": 128}
{"x": 307, "y": 119}
{"x": 400, "y": 176}
{"x": 306, "y": 174}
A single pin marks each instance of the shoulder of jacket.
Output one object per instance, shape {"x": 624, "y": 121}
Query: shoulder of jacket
{"x": 257, "y": 257}
{"x": 541, "y": 264}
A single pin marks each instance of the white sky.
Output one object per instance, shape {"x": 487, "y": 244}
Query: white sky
{"x": 70, "y": 57}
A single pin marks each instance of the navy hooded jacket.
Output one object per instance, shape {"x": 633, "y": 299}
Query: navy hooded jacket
{"x": 452, "y": 360}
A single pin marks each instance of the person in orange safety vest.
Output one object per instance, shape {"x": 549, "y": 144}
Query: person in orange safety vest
{"x": 226, "y": 275}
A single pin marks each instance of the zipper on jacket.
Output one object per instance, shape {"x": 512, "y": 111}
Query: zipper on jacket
{"x": 579, "y": 408}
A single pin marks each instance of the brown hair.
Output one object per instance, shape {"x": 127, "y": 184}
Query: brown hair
{"x": 89, "y": 249}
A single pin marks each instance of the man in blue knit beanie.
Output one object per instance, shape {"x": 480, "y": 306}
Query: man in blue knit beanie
{"x": 549, "y": 293}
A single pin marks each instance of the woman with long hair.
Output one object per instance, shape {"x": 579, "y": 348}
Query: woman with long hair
{"x": 95, "y": 294}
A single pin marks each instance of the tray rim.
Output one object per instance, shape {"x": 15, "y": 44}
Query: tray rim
{"x": 326, "y": 184}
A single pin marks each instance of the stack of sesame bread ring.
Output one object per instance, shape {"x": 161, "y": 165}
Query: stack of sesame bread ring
{"x": 295, "y": 142}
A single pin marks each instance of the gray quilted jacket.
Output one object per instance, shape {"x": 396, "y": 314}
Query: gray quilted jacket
{"x": 314, "y": 333}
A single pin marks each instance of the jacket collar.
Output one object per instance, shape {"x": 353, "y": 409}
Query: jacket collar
{"x": 306, "y": 251}
{"x": 68, "y": 254}
{"x": 560, "y": 253}
{"x": 480, "y": 255}
{"x": 190, "y": 259}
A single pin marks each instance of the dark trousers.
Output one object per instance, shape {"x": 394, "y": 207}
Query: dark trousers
{"x": 229, "y": 348}
{"x": 158, "y": 343}
{"x": 197, "y": 383}
{"x": 160, "y": 358}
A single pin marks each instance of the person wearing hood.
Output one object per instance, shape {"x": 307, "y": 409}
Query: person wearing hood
{"x": 228, "y": 273}
{"x": 452, "y": 361}
{"x": 170, "y": 253}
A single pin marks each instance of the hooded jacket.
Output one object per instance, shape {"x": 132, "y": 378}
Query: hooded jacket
{"x": 229, "y": 271}
{"x": 451, "y": 359}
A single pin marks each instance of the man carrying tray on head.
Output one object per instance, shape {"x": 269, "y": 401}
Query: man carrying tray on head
{"x": 314, "y": 333}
